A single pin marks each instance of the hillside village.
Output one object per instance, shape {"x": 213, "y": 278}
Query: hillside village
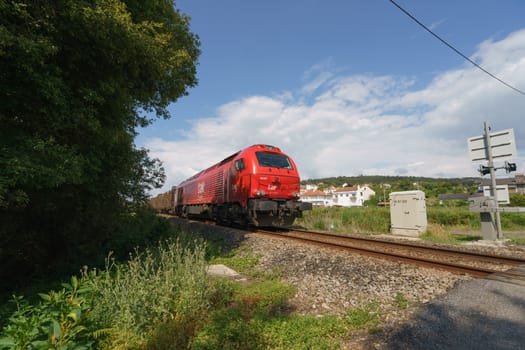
{"x": 357, "y": 195}
{"x": 345, "y": 196}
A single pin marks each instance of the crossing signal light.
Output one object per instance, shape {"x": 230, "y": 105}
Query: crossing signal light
{"x": 484, "y": 170}
{"x": 510, "y": 167}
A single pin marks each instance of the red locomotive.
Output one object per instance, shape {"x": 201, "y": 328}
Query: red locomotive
{"x": 258, "y": 185}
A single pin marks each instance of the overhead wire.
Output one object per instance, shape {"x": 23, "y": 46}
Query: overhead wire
{"x": 454, "y": 49}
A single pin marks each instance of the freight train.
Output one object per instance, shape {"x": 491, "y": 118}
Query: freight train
{"x": 256, "y": 186}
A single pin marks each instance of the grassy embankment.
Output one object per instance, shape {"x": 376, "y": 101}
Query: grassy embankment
{"x": 445, "y": 224}
{"x": 162, "y": 298}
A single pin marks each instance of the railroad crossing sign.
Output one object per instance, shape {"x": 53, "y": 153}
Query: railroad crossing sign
{"x": 502, "y": 145}
{"x": 488, "y": 147}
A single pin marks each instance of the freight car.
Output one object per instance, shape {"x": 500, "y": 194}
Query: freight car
{"x": 163, "y": 203}
{"x": 255, "y": 186}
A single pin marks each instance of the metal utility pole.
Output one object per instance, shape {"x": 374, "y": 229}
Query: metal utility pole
{"x": 493, "y": 189}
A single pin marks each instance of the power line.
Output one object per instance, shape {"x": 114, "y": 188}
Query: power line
{"x": 454, "y": 49}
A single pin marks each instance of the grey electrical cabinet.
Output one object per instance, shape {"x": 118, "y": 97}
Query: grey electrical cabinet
{"x": 408, "y": 213}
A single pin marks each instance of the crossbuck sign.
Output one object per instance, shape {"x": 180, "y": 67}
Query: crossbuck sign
{"x": 502, "y": 145}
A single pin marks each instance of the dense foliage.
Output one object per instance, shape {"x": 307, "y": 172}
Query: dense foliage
{"x": 117, "y": 308}
{"x": 163, "y": 299}
{"x": 77, "y": 78}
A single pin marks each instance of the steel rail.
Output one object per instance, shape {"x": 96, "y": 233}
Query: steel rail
{"x": 482, "y": 257}
{"x": 340, "y": 243}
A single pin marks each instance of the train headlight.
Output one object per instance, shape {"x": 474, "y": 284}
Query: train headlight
{"x": 260, "y": 192}
{"x": 296, "y": 194}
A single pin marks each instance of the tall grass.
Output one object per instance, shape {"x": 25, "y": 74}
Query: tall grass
{"x": 453, "y": 217}
{"x": 352, "y": 220}
{"x": 368, "y": 220}
{"x": 166, "y": 289}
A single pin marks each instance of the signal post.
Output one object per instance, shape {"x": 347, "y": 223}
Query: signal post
{"x": 488, "y": 147}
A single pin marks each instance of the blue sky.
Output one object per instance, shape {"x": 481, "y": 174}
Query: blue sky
{"x": 347, "y": 87}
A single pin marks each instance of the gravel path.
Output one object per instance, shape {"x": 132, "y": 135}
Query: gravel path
{"x": 476, "y": 314}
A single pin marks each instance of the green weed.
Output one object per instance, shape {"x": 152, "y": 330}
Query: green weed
{"x": 257, "y": 318}
{"x": 362, "y": 220}
{"x": 158, "y": 289}
{"x": 366, "y": 317}
{"x": 240, "y": 263}
{"x": 515, "y": 239}
{"x": 438, "y": 234}
{"x": 59, "y": 321}
{"x": 302, "y": 332}
{"x": 401, "y": 301}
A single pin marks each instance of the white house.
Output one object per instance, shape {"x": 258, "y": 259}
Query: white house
{"x": 311, "y": 187}
{"x": 317, "y": 198}
{"x": 353, "y": 196}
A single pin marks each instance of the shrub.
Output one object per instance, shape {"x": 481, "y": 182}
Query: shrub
{"x": 155, "y": 301}
{"x": 58, "y": 322}
{"x": 165, "y": 289}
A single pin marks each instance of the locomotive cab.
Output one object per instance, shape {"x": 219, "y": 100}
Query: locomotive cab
{"x": 269, "y": 186}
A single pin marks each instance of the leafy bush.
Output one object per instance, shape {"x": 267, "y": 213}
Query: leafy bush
{"x": 59, "y": 322}
{"x": 143, "y": 227}
{"x": 513, "y": 221}
{"x": 154, "y": 301}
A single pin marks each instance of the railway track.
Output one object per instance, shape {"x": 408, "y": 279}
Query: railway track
{"x": 502, "y": 268}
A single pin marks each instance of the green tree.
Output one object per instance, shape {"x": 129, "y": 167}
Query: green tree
{"x": 77, "y": 78}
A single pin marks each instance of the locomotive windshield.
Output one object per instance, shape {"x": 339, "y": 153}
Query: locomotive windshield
{"x": 273, "y": 160}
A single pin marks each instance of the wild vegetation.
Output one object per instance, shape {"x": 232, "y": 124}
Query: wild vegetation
{"x": 152, "y": 301}
{"x": 78, "y": 78}
{"x": 446, "y": 221}
{"x": 162, "y": 298}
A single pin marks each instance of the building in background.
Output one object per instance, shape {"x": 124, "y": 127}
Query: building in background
{"x": 516, "y": 185}
{"x": 353, "y": 196}
{"x": 317, "y": 198}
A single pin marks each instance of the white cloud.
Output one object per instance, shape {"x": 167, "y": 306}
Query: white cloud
{"x": 377, "y": 125}
{"x": 437, "y": 24}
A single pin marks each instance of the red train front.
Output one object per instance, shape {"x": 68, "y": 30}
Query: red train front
{"x": 258, "y": 185}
